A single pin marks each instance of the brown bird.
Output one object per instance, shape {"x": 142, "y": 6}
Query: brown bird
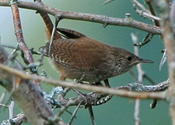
{"x": 79, "y": 57}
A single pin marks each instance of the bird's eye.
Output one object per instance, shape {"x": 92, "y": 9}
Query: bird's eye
{"x": 129, "y": 58}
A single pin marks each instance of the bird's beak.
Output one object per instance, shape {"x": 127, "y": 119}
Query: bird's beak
{"x": 145, "y": 61}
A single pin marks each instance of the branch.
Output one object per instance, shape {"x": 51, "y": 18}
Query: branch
{"x": 17, "y": 120}
{"x": 19, "y": 33}
{"x": 169, "y": 41}
{"x": 105, "y": 20}
{"x": 144, "y": 12}
{"x": 112, "y": 91}
{"x": 140, "y": 80}
{"x": 2, "y": 98}
{"x": 11, "y": 109}
{"x": 27, "y": 95}
{"x": 152, "y": 11}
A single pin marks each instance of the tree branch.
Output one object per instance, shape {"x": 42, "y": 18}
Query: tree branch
{"x": 144, "y": 95}
{"x": 169, "y": 41}
{"x": 19, "y": 33}
{"x": 105, "y": 20}
{"x": 27, "y": 95}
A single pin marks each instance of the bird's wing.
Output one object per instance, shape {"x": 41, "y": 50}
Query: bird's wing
{"x": 83, "y": 53}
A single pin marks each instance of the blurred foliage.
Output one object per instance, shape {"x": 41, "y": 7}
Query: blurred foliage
{"x": 119, "y": 110}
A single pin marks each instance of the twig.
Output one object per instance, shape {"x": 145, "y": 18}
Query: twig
{"x": 11, "y": 109}
{"x": 4, "y": 105}
{"x": 140, "y": 80}
{"x": 163, "y": 59}
{"x": 9, "y": 46}
{"x": 107, "y": 1}
{"x": 50, "y": 97}
{"x": 2, "y": 99}
{"x": 137, "y": 112}
{"x": 57, "y": 19}
{"x": 152, "y": 11}
{"x": 144, "y": 12}
{"x": 86, "y": 17}
{"x": 86, "y": 87}
{"x": 91, "y": 114}
{"x": 64, "y": 108}
{"x": 74, "y": 113}
{"x": 19, "y": 33}
{"x": 141, "y": 6}
{"x": 14, "y": 85}
{"x": 146, "y": 88}
{"x": 16, "y": 120}
{"x": 91, "y": 98}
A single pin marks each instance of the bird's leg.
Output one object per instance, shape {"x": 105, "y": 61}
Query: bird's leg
{"x": 98, "y": 83}
{"x": 80, "y": 80}
{"x": 62, "y": 77}
{"x": 107, "y": 83}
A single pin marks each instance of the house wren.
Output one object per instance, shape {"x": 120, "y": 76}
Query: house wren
{"x": 79, "y": 57}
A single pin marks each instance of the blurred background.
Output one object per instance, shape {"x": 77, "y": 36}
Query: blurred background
{"x": 118, "y": 110}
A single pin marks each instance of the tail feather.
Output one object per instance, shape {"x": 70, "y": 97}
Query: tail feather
{"x": 49, "y": 27}
{"x": 67, "y": 33}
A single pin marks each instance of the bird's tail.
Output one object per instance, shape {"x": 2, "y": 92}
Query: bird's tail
{"x": 49, "y": 27}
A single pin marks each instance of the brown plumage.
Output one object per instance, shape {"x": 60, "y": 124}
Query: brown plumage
{"x": 79, "y": 57}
